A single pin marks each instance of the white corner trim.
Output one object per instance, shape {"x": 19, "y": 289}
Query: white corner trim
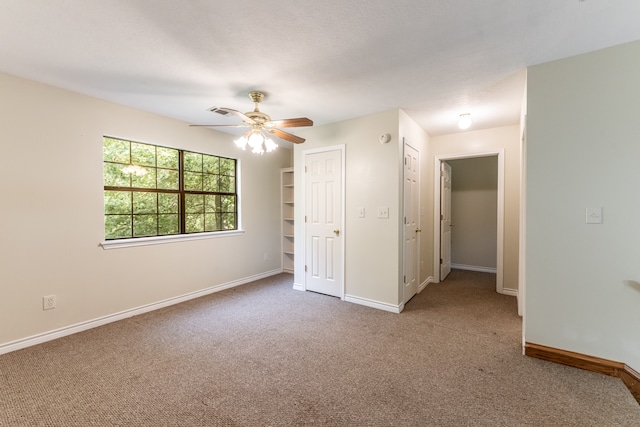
{"x": 94, "y": 323}
{"x": 424, "y": 284}
{"x": 157, "y": 240}
{"x": 374, "y": 304}
{"x": 510, "y": 292}
{"x": 474, "y": 268}
{"x": 298, "y": 287}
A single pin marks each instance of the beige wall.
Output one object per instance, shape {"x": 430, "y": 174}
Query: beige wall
{"x": 583, "y": 147}
{"x": 373, "y": 178}
{"x": 474, "y": 202}
{"x": 51, "y": 220}
{"x": 469, "y": 143}
{"x": 51, "y": 214}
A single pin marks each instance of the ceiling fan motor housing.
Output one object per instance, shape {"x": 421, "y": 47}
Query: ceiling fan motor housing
{"x": 256, "y": 115}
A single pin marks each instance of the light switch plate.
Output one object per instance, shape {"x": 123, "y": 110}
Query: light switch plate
{"x": 361, "y": 212}
{"x": 594, "y": 215}
{"x": 383, "y": 212}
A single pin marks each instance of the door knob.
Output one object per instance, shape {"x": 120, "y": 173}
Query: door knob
{"x": 418, "y": 230}
{"x": 337, "y": 232}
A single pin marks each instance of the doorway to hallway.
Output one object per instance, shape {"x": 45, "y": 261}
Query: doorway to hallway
{"x": 442, "y": 250}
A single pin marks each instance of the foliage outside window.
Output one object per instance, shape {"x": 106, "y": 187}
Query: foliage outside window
{"x": 151, "y": 190}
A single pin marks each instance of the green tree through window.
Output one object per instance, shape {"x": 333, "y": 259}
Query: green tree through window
{"x": 151, "y": 190}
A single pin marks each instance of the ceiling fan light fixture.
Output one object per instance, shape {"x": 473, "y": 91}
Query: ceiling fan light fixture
{"x": 258, "y": 150}
{"x": 257, "y": 141}
{"x": 256, "y": 138}
{"x": 464, "y": 121}
{"x": 270, "y": 145}
{"x": 242, "y": 142}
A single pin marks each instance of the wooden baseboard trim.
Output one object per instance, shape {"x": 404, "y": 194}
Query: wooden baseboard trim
{"x": 577, "y": 360}
{"x": 629, "y": 377}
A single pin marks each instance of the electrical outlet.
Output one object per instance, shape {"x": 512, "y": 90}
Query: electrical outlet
{"x": 49, "y": 302}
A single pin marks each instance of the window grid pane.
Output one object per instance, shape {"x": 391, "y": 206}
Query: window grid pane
{"x": 142, "y": 194}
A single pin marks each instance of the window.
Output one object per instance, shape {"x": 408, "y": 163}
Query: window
{"x": 157, "y": 191}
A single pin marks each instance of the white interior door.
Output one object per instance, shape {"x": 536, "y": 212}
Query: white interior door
{"x": 323, "y": 223}
{"x": 445, "y": 220}
{"x": 411, "y": 221}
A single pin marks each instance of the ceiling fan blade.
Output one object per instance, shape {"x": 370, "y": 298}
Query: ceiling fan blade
{"x": 285, "y": 135}
{"x": 290, "y": 123}
{"x": 226, "y": 111}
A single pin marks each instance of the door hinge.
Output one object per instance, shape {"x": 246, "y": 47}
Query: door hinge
{"x": 441, "y": 217}
{"x": 404, "y": 280}
{"x": 440, "y": 261}
{"x": 305, "y": 268}
{"x": 305, "y": 169}
{"x": 305, "y": 218}
{"x": 405, "y": 219}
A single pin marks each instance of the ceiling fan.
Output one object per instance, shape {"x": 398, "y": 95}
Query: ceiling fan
{"x": 259, "y": 124}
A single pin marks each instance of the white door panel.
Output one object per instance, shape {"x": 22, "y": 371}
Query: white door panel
{"x": 445, "y": 220}
{"x": 411, "y": 177}
{"x": 323, "y": 227}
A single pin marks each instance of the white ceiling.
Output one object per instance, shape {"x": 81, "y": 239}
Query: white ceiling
{"x": 328, "y": 60}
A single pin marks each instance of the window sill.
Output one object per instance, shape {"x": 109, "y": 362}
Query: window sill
{"x": 158, "y": 240}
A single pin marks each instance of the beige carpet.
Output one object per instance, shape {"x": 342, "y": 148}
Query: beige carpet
{"x": 264, "y": 354}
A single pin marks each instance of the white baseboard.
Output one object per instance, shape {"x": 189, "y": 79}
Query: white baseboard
{"x": 383, "y": 305}
{"x": 89, "y": 324}
{"x": 374, "y": 304}
{"x": 474, "y": 268}
{"x": 505, "y": 291}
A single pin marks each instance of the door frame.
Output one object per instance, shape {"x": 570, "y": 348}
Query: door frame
{"x": 445, "y": 167}
{"x": 500, "y": 212}
{"x": 406, "y": 143}
{"x": 305, "y": 153}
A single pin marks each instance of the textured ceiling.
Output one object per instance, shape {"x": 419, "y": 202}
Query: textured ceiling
{"x": 328, "y": 60}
